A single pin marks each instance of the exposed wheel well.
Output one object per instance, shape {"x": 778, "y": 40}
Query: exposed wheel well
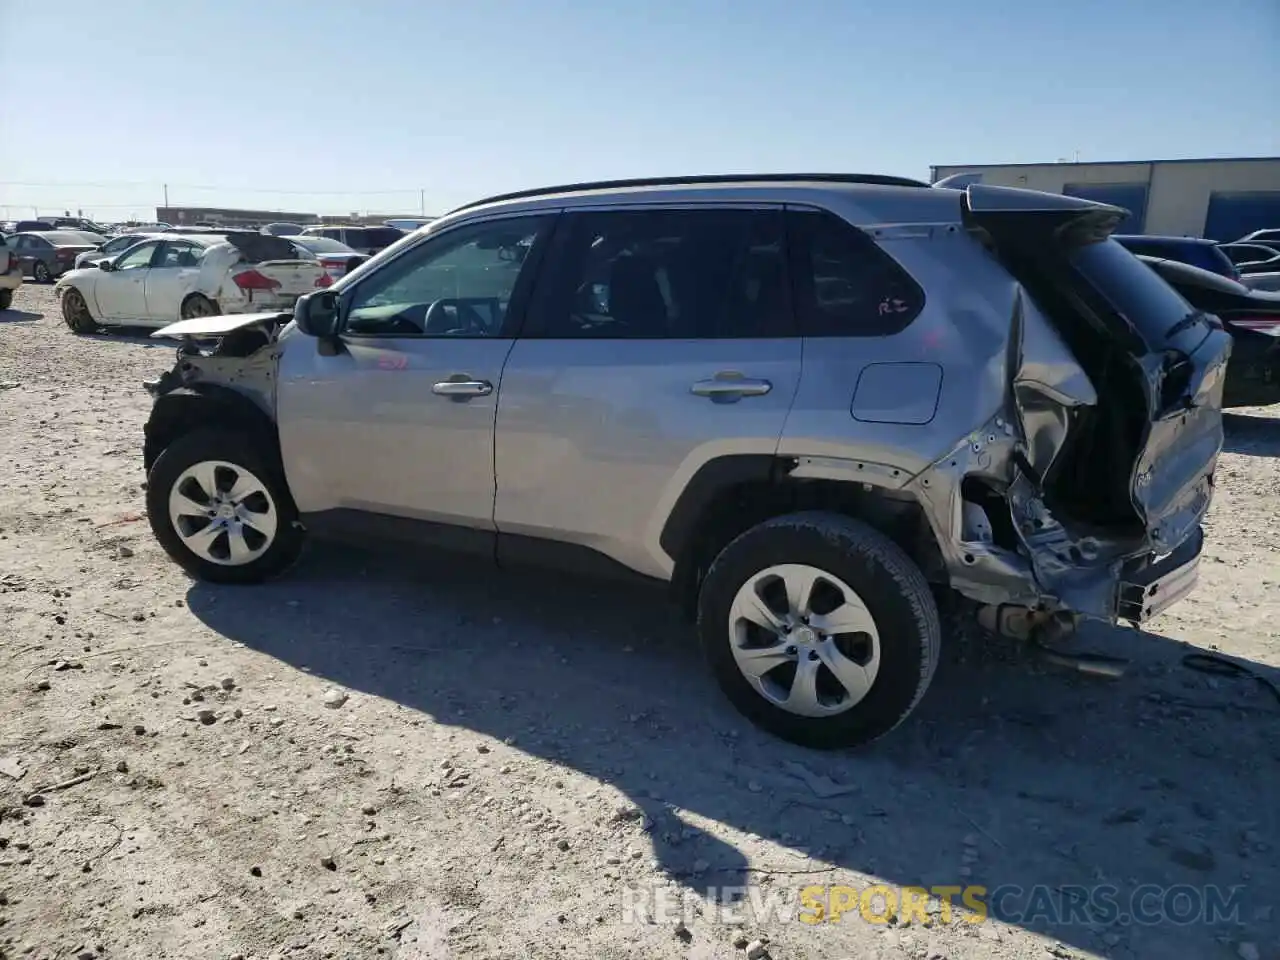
{"x": 736, "y": 508}
{"x": 195, "y": 295}
{"x": 189, "y": 408}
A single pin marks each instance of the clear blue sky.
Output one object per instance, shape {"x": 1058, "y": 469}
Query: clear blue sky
{"x": 338, "y": 106}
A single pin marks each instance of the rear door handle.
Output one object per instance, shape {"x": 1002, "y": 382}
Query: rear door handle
{"x": 462, "y": 388}
{"x": 730, "y": 388}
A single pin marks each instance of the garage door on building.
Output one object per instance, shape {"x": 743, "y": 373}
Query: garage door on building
{"x": 1131, "y": 196}
{"x": 1232, "y": 215}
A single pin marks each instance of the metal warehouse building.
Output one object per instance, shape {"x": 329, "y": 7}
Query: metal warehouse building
{"x": 1220, "y": 199}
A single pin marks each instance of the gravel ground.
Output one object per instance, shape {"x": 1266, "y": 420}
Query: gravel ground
{"x": 380, "y": 757}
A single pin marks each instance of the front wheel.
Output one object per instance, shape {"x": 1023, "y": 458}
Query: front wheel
{"x": 819, "y": 629}
{"x": 6, "y": 298}
{"x": 75, "y": 312}
{"x": 219, "y": 505}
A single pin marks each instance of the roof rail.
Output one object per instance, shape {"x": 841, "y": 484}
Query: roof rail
{"x": 865, "y": 178}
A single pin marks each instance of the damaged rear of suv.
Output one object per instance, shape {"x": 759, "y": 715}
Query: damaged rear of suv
{"x": 811, "y": 405}
{"x": 1104, "y": 456}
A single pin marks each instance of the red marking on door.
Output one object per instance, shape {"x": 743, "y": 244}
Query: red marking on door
{"x": 393, "y": 362}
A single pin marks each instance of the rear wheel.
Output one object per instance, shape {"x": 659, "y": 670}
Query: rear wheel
{"x": 6, "y": 298}
{"x": 40, "y": 273}
{"x": 219, "y": 505}
{"x": 819, "y": 629}
{"x": 76, "y": 312}
{"x": 198, "y": 305}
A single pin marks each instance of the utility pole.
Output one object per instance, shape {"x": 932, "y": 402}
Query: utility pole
{"x": 166, "y": 196}
{"x": 422, "y": 202}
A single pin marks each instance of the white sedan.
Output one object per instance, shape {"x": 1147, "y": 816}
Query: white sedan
{"x": 178, "y": 277}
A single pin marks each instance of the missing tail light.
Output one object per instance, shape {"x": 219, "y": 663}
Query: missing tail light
{"x": 324, "y": 280}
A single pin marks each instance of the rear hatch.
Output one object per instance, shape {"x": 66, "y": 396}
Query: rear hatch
{"x": 1142, "y": 460}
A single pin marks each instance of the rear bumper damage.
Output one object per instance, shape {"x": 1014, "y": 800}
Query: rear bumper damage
{"x": 1010, "y": 550}
{"x": 1150, "y": 587}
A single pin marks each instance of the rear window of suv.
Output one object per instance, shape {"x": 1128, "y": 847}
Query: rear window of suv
{"x": 1136, "y": 291}
{"x": 845, "y": 285}
{"x": 381, "y": 236}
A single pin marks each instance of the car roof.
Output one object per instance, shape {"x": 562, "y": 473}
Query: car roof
{"x": 873, "y": 198}
{"x": 57, "y": 236}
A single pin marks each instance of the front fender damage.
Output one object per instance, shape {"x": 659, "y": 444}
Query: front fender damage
{"x": 238, "y": 353}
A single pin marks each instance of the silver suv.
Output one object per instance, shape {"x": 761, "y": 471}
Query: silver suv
{"x": 813, "y": 406}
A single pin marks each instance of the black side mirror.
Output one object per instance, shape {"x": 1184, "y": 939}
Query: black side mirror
{"x": 316, "y": 315}
{"x": 105, "y": 265}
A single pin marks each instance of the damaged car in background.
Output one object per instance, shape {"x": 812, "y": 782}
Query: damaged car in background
{"x": 172, "y": 276}
{"x": 816, "y": 408}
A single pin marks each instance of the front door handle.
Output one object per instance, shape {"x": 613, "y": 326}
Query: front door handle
{"x": 462, "y": 388}
{"x": 730, "y": 388}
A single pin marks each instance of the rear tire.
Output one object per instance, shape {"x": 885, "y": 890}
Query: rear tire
{"x": 865, "y": 632}
{"x": 6, "y": 298}
{"x": 198, "y": 305}
{"x": 76, "y": 312}
{"x": 219, "y": 505}
{"x": 40, "y": 273}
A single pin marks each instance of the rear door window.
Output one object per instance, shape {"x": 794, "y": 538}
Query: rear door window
{"x": 666, "y": 274}
{"x": 845, "y": 285}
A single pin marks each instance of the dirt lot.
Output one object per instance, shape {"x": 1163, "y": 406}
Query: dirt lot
{"x": 525, "y": 767}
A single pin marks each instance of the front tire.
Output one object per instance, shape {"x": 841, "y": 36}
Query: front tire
{"x": 819, "y": 629}
{"x": 219, "y": 505}
{"x": 6, "y": 298}
{"x": 75, "y": 312}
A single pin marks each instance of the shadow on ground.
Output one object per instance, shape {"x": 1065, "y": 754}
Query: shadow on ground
{"x": 19, "y": 316}
{"x": 1252, "y": 435}
{"x": 1059, "y": 782}
{"x": 139, "y": 336}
